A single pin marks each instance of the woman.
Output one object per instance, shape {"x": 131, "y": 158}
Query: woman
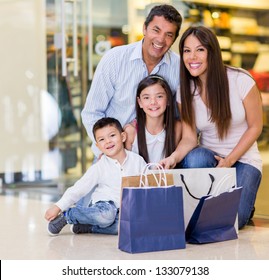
{"x": 222, "y": 104}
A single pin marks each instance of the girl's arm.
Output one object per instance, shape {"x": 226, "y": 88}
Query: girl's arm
{"x": 253, "y": 108}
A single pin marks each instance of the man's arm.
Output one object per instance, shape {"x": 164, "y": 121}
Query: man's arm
{"x": 100, "y": 93}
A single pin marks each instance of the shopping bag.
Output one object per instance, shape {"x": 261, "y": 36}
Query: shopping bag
{"x": 151, "y": 218}
{"x": 199, "y": 182}
{"x": 134, "y": 181}
{"x": 214, "y": 218}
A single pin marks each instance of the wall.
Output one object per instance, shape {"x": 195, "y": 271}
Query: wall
{"x": 23, "y": 79}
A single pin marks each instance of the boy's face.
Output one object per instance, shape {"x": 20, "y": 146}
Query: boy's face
{"x": 110, "y": 141}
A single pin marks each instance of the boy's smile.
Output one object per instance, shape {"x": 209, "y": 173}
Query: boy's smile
{"x": 110, "y": 141}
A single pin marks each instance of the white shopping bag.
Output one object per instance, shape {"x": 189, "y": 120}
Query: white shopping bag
{"x": 198, "y": 182}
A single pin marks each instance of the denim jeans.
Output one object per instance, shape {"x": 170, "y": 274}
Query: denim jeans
{"x": 101, "y": 216}
{"x": 247, "y": 176}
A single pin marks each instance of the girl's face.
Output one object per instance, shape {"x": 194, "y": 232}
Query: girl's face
{"x": 153, "y": 100}
{"x": 110, "y": 141}
{"x": 195, "y": 57}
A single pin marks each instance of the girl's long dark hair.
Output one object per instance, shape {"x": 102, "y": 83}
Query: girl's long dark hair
{"x": 169, "y": 117}
{"x": 217, "y": 86}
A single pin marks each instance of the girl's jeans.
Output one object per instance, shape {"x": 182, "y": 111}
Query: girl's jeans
{"x": 247, "y": 177}
{"x": 101, "y": 216}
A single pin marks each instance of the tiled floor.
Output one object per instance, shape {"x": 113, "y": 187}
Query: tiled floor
{"x": 23, "y": 236}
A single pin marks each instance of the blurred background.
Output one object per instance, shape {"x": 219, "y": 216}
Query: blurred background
{"x": 49, "y": 51}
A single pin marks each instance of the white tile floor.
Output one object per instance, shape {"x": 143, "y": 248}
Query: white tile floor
{"x": 23, "y": 236}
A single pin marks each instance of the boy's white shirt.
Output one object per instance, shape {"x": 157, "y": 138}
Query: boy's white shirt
{"x": 107, "y": 175}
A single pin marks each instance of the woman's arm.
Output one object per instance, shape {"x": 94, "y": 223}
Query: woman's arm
{"x": 187, "y": 142}
{"x": 253, "y": 108}
{"x": 178, "y": 131}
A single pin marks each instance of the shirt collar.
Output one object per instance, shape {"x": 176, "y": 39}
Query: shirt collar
{"x": 137, "y": 54}
{"x": 116, "y": 161}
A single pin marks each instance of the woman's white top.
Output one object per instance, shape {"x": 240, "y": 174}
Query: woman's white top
{"x": 155, "y": 146}
{"x": 239, "y": 85}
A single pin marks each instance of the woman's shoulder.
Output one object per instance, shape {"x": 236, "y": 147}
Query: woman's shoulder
{"x": 240, "y": 81}
{"x": 238, "y": 73}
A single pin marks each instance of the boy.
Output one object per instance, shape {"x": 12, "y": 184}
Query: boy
{"x": 103, "y": 179}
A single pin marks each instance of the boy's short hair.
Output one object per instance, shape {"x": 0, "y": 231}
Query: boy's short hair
{"x": 107, "y": 122}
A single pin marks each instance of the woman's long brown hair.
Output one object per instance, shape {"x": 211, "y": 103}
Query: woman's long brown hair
{"x": 217, "y": 86}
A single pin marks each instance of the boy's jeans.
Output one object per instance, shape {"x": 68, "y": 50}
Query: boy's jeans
{"x": 102, "y": 216}
{"x": 247, "y": 176}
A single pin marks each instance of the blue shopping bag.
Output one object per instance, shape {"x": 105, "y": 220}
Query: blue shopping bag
{"x": 151, "y": 219}
{"x": 214, "y": 218}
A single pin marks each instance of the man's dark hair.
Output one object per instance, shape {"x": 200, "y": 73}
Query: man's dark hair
{"x": 168, "y": 12}
{"x": 107, "y": 122}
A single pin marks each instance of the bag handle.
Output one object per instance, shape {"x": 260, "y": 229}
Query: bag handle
{"x": 224, "y": 180}
{"x": 159, "y": 177}
{"x": 210, "y": 188}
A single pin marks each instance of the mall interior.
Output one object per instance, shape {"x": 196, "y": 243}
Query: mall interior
{"x": 49, "y": 51}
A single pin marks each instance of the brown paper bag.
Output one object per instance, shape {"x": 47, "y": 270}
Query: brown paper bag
{"x": 134, "y": 181}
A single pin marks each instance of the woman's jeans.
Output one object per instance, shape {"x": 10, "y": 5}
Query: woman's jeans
{"x": 247, "y": 177}
{"x": 101, "y": 216}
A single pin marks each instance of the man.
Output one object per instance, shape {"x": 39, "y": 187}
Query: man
{"x": 113, "y": 90}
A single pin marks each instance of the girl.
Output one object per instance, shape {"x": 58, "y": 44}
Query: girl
{"x": 156, "y": 132}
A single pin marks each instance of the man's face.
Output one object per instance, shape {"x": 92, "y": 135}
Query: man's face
{"x": 159, "y": 36}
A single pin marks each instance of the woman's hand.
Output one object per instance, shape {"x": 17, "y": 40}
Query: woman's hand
{"x": 168, "y": 163}
{"x": 223, "y": 162}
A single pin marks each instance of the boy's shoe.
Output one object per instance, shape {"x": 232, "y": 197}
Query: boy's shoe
{"x": 56, "y": 225}
{"x": 80, "y": 228}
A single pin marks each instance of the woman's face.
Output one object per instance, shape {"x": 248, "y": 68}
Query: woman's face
{"x": 195, "y": 57}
